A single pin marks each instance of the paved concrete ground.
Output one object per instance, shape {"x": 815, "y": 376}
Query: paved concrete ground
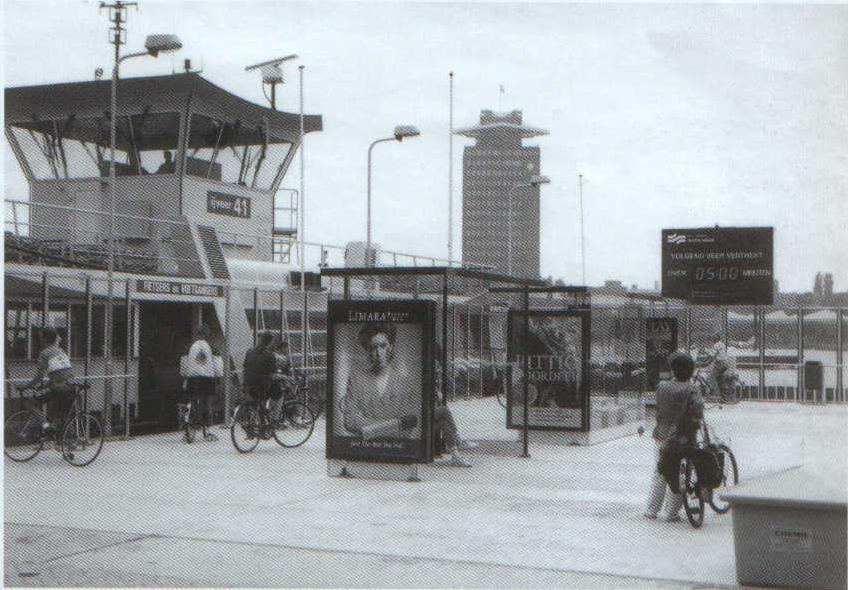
{"x": 153, "y": 511}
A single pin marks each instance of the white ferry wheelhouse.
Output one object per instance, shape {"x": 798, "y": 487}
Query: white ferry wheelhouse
{"x": 199, "y": 209}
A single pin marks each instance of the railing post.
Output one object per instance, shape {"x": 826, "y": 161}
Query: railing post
{"x": 45, "y": 301}
{"x": 840, "y": 356}
{"x": 88, "y": 338}
{"x": 127, "y": 353}
{"x": 255, "y": 316}
{"x": 801, "y": 388}
{"x": 761, "y": 388}
{"x": 227, "y": 358}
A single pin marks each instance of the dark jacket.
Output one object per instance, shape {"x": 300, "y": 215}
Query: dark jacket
{"x": 259, "y": 365}
{"x": 679, "y": 408}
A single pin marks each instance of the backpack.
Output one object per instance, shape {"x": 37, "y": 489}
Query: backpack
{"x": 200, "y": 357}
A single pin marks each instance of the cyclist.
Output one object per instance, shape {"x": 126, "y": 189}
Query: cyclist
{"x": 200, "y": 378}
{"x": 260, "y": 366}
{"x": 722, "y": 370}
{"x": 679, "y": 410}
{"x": 54, "y": 373}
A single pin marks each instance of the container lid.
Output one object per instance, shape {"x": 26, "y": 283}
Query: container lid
{"x": 796, "y": 487}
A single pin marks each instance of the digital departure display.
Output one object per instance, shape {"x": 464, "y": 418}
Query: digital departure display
{"x": 719, "y": 266}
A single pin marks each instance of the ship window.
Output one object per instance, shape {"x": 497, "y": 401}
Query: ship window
{"x": 16, "y": 331}
{"x": 77, "y": 147}
{"x": 236, "y": 152}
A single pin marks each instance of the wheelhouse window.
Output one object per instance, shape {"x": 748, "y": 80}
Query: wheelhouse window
{"x": 237, "y": 152}
{"x": 79, "y": 147}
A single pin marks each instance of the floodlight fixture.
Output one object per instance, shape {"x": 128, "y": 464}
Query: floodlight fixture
{"x": 538, "y": 179}
{"x": 402, "y": 131}
{"x": 156, "y": 44}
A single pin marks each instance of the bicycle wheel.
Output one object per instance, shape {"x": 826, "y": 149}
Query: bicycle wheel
{"x": 315, "y": 402}
{"x": 22, "y": 433}
{"x": 82, "y": 440}
{"x": 293, "y": 424}
{"x": 502, "y": 389}
{"x": 245, "y": 429}
{"x": 693, "y": 499}
{"x": 729, "y": 478}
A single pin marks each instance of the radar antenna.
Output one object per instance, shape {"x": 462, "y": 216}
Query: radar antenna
{"x": 272, "y": 74}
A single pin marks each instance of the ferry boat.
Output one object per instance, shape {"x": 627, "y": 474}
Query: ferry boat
{"x": 199, "y": 213}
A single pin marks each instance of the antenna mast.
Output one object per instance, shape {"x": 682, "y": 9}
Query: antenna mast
{"x": 118, "y": 16}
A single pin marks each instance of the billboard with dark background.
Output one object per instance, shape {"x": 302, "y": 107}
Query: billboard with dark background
{"x": 660, "y": 343}
{"x": 380, "y": 380}
{"x": 557, "y": 350}
{"x": 719, "y": 266}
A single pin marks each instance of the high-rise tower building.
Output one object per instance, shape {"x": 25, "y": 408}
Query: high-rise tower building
{"x": 495, "y": 181}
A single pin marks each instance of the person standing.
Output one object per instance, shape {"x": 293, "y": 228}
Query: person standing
{"x": 679, "y": 408}
{"x": 200, "y": 378}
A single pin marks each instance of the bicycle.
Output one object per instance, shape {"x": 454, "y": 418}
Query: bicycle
{"x": 190, "y": 423}
{"x": 695, "y": 491}
{"x": 290, "y": 423}
{"x": 79, "y": 438}
{"x": 723, "y": 389}
{"x": 299, "y": 390}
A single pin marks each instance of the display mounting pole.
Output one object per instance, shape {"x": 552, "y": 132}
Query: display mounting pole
{"x": 525, "y": 369}
{"x": 450, "y": 172}
{"x": 302, "y": 210}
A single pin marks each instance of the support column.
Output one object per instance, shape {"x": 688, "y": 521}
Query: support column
{"x": 525, "y": 371}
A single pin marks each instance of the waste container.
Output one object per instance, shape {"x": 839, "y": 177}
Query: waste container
{"x": 813, "y": 380}
{"x": 789, "y": 530}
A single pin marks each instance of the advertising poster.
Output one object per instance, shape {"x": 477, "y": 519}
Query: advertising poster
{"x": 660, "y": 343}
{"x": 557, "y": 350}
{"x": 719, "y": 266}
{"x": 380, "y": 380}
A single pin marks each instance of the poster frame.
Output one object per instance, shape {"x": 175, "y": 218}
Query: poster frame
{"x": 516, "y": 316}
{"x": 675, "y": 330}
{"x": 426, "y": 309}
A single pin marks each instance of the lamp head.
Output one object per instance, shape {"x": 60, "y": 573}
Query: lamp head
{"x": 155, "y": 44}
{"x": 402, "y": 131}
{"x": 537, "y": 179}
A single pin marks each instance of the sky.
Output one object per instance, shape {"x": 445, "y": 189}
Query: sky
{"x": 676, "y": 115}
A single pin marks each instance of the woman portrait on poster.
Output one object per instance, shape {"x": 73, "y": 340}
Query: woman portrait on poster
{"x": 379, "y": 399}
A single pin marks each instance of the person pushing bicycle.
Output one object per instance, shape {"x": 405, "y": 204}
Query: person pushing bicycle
{"x": 53, "y": 374}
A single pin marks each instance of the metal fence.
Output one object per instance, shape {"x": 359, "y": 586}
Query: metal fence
{"x": 782, "y": 354}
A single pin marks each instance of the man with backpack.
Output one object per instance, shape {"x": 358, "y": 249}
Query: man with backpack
{"x": 200, "y": 378}
{"x": 680, "y": 409}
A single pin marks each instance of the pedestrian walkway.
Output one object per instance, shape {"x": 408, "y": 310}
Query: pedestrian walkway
{"x": 153, "y": 511}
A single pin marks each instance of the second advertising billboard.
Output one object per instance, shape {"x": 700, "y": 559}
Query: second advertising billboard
{"x": 380, "y": 380}
{"x": 557, "y": 349}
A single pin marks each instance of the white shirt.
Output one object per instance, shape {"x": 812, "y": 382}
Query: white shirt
{"x": 200, "y": 362}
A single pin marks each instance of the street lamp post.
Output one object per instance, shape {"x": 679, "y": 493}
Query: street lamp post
{"x": 535, "y": 180}
{"x": 401, "y": 131}
{"x": 154, "y": 45}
